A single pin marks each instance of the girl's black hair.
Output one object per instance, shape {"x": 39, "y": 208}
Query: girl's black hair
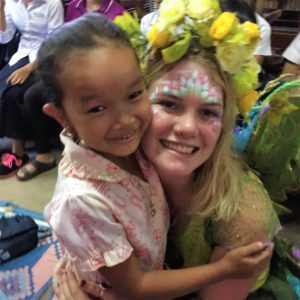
{"x": 92, "y": 30}
{"x": 242, "y": 9}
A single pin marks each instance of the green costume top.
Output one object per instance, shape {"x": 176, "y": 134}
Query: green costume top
{"x": 195, "y": 238}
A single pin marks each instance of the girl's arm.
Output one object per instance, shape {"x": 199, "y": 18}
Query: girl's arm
{"x": 127, "y": 279}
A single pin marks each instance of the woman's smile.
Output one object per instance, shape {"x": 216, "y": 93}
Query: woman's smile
{"x": 179, "y": 147}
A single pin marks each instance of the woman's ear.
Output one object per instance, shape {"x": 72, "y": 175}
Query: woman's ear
{"x": 52, "y": 111}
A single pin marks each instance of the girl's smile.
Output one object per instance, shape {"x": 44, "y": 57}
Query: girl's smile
{"x": 106, "y": 102}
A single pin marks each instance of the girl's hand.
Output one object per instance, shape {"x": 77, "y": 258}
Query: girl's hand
{"x": 19, "y": 76}
{"x": 67, "y": 287}
{"x": 247, "y": 261}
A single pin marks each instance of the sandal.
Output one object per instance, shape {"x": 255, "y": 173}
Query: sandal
{"x": 40, "y": 167}
{"x": 11, "y": 163}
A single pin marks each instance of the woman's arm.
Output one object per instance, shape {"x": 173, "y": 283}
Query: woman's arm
{"x": 256, "y": 220}
{"x": 7, "y": 26}
{"x": 19, "y": 76}
{"x": 232, "y": 289}
{"x": 2, "y": 16}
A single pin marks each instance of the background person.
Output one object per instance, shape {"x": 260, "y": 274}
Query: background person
{"x": 34, "y": 20}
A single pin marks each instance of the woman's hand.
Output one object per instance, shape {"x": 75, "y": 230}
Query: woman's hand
{"x": 247, "y": 261}
{"x": 19, "y": 76}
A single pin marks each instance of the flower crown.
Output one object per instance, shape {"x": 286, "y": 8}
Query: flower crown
{"x": 181, "y": 21}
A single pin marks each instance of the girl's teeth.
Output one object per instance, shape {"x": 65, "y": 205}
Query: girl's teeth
{"x": 179, "y": 148}
{"x": 125, "y": 137}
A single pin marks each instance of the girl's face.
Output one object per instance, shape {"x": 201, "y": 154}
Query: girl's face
{"x": 187, "y": 107}
{"x": 105, "y": 100}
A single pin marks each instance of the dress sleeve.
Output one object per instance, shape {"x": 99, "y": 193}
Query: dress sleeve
{"x": 255, "y": 220}
{"x": 93, "y": 238}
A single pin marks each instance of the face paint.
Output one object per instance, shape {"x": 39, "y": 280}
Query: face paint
{"x": 217, "y": 123}
{"x": 194, "y": 84}
{"x": 155, "y": 108}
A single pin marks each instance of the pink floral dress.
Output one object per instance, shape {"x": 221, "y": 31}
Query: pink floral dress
{"x": 102, "y": 213}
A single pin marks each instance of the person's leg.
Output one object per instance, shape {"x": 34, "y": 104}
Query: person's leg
{"x": 16, "y": 128}
{"x": 41, "y": 125}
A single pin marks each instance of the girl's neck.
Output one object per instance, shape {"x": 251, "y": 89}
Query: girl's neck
{"x": 178, "y": 191}
{"x": 93, "y": 5}
{"x": 128, "y": 163}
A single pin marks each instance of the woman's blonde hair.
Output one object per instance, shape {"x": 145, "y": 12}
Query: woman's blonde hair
{"x": 216, "y": 185}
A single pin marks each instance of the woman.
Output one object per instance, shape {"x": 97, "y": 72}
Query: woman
{"x": 216, "y": 202}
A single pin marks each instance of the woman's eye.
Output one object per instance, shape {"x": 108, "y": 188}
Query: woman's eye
{"x": 96, "y": 109}
{"x": 209, "y": 113}
{"x": 135, "y": 95}
{"x": 168, "y": 105}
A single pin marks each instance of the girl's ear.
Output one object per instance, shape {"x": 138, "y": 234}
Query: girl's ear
{"x": 52, "y": 111}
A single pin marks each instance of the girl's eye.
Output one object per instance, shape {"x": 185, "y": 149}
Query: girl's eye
{"x": 96, "y": 109}
{"x": 135, "y": 95}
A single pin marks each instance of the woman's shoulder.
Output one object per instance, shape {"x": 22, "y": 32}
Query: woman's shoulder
{"x": 255, "y": 218}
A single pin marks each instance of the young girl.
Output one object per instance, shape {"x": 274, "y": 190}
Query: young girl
{"x": 108, "y": 208}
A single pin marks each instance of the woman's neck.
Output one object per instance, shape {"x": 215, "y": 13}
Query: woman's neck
{"x": 178, "y": 191}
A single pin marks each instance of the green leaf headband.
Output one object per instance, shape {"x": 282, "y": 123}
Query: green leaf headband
{"x": 181, "y": 21}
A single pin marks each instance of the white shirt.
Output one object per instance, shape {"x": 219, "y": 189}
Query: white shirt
{"x": 148, "y": 20}
{"x": 264, "y": 46}
{"x": 292, "y": 52}
{"x": 34, "y": 22}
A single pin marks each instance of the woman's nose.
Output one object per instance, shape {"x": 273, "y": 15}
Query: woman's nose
{"x": 186, "y": 124}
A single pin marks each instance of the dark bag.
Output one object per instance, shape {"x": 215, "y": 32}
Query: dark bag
{"x": 18, "y": 235}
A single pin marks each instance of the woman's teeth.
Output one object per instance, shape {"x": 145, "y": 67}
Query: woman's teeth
{"x": 179, "y": 148}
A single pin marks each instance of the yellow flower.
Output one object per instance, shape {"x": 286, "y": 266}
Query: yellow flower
{"x": 247, "y": 102}
{"x": 170, "y": 12}
{"x": 158, "y": 39}
{"x": 247, "y": 78}
{"x": 128, "y": 23}
{"x": 223, "y": 25}
{"x": 202, "y": 9}
{"x": 280, "y": 106}
{"x": 231, "y": 56}
{"x": 252, "y": 30}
